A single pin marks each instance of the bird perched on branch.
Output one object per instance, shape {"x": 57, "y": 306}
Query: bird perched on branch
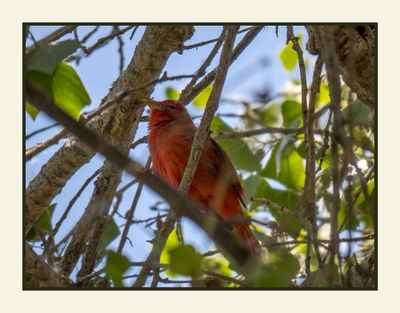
{"x": 215, "y": 184}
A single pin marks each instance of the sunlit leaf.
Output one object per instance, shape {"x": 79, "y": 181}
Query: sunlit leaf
{"x": 323, "y": 96}
{"x": 63, "y": 86}
{"x": 32, "y": 110}
{"x": 201, "y": 99}
{"x": 288, "y": 55}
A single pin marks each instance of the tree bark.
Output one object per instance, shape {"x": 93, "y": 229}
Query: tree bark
{"x": 355, "y": 49}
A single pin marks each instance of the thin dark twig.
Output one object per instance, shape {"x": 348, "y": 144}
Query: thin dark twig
{"x": 203, "y": 43}
{"x": 120, "y": 50}
{"x": 71, "y": 204}
{"x": 41, "y": 130}
{"x": 133, "y": 32}
{"x": 102, "y": 41}
{"x": 131, "y": 212}
{"x": 259, "y": 131}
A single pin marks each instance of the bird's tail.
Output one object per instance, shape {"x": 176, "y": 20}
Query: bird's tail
{"x": 248, "y": 237}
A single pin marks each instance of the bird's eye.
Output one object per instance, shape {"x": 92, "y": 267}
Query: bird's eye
{"x": 171, "y": 107}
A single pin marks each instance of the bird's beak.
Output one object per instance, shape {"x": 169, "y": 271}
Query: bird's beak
{"x": 153, "y": 105}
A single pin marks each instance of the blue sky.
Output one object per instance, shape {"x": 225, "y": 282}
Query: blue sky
{"x": 97, "y": 73}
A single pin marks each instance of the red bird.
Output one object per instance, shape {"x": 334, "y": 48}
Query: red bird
{"x": 215, "y": 184}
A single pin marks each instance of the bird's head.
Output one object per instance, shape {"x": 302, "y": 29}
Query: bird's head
{"x": 163, "y": 112}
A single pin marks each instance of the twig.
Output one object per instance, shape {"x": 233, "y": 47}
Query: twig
{"x": 131, "y": 211}
{"x": 260, "y": 131}
{"x": 302, "y": 68}
{"x": 38, "y": 131}
{"x": 70, "y": 205}
{"x": 133, "y": 32}
{"x": 138, "y": 142}
{"x": 203, "y": 43}
{"x": 309, "y": 185}
{"x": 120, "y": 51}
{"x": 102, "y": 41}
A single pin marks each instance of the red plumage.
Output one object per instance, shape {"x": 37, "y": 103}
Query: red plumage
{"x": 215, "y": 184}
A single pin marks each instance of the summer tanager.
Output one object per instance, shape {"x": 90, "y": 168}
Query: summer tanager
{"x": 215, "y": 184}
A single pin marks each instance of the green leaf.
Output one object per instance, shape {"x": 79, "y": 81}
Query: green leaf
{"x": 290, "y": 171}
{"x": 288, "y": 55}
{"x": 251, "y": 184}
{"x": 32, "y": 110}
{"x": 237, "y": 149}
{"x": 358, "y": 113}
{"x": 172, "y": 93}
{"x": 201, "y": 99}
{"x": 64, "y": 86}
{"x": 185, "y": 260}
{"x": 291, "y": 112}
{"x": 111, "y": 231}
{"x": 116, "y": 266}
{"x": 271, "y": 115}
{"x": 279, "y": 271}
{"x": 43, "y": 223}
{"x": 289, "y": 223}
{"x": 68, "y": 90}
{"x": 47, "y": 57}
{"x": 172, "y": 243}
{"x": 323, "y": 96}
